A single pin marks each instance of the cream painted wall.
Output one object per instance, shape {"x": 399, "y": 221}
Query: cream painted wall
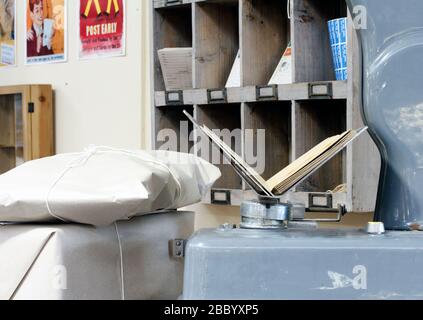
{"x": 96, "y": 102}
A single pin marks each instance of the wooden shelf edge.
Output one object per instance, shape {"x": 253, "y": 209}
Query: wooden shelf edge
{"x": 286, "y": 92}
{"x": 238, "y": 196}
{"x": 165, "y": 4}
{"x": 158, "y": 4}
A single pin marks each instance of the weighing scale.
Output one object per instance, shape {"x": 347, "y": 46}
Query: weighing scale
{"x": 278, "y": 254}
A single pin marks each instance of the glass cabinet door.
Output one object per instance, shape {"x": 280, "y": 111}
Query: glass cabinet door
{"x": 11, "y": 132}
{"x": 19, "y": 130}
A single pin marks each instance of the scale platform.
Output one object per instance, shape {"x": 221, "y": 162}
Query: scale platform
{"x": 238, "y": 264}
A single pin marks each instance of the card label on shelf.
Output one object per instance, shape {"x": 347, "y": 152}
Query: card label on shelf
{"x": 221, "y": 197}
{"x": 267, "y": 92}
{"x": 173, "y": 2}
{"x": 217, "y": 96}
{"x": 174, "y": 97}
{"x": 320, "y": 90}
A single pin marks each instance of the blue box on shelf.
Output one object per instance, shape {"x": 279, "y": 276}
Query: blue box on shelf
{"x": 338, "y": 41}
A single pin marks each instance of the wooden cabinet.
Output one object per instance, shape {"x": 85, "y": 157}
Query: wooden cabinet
{"x": 26, "y": 124}
{"x": 294, "y": 118}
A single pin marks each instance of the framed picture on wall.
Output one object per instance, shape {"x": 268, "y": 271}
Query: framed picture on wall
{"x": 46, "y": 34}
{"x": 102, "y": 28}
{"x": 7, "y": 33}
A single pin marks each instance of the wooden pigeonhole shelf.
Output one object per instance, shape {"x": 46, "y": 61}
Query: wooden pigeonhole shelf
{"x": 295, "y": 116}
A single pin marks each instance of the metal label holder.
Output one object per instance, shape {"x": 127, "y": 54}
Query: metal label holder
{"x": 217, "y": 96}
{"x": 320, "y": 90}
{"x": 215, "y": 199}
{"x": 174, "y": 98}
{"x": 267, "y": 93}
{"x": 172, "y": 2}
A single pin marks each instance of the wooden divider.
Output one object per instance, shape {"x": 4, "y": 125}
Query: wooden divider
{"x": 294, "y": 119}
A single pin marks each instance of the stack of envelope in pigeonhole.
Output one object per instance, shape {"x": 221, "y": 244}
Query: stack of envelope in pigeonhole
{"x": 176, "y": 64}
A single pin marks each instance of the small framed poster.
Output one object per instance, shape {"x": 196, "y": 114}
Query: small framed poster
{"x": 45, "y": 31}
{"x": 7, "y": 33}
{"x": 102, "y": 28}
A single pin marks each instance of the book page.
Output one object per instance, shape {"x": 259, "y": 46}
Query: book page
{"x": 240, "y": 166}
{"x": 234, "y": 156}
{"x": 292, "y": 174}
{"x": 304, "y": 160}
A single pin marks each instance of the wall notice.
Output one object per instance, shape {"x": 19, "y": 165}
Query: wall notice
{"x": 7, "y": 33}
{"x": 46, "y": 31}
{"x": 101, "y": 28}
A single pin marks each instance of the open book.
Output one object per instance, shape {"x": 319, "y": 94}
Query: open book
{"x": 293, "y": 174}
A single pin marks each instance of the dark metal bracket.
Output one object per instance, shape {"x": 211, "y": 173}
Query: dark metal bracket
{"x": 172, "y": 2}
{"x": 267, "y": 93}
{"x": 174, "y": 98}
{"x": 221, "y": 197}
{"x": 320, "y": 90}
{"x": 217, "y": 96}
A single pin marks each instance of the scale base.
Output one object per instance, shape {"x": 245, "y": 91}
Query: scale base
{"x": 265, "y": 214}
{"x": 238, "y": 264}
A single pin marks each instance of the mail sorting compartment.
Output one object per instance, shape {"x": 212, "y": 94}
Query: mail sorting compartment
{"x": 311, "y": 45}
{"x": 265, "y": 36}
{"x": 172, "y": 29}
{"x": 216, "y": 41}
{"x": 316, "y": 120}
{"x": 225, "y": 121}
{"x": 11, "y": 132}
{"x": 267, "y": 146}
{"x": 174, "y": 132}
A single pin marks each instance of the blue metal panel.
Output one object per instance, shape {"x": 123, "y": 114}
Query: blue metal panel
{"x": 295, "y": 264}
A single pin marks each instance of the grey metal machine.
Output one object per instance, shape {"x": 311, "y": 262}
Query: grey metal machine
{"x": 277, "y": 254}
{"x": 392, "y": 47}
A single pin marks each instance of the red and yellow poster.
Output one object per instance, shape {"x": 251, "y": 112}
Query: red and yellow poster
{"x": 101, "y": 28}
{"x": 45, "y": 31}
